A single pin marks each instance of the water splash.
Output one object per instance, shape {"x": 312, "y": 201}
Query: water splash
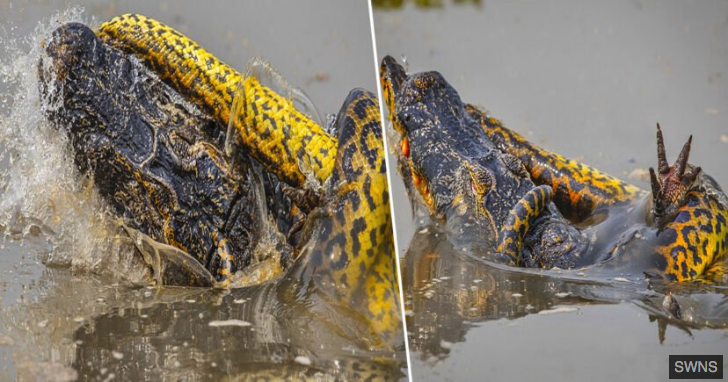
{"x": 38, "y": 180}
{"x": 267, "y": 76}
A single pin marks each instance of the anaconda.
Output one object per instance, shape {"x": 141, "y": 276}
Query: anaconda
{"x": 538, "y": 209}
{"x": 280, "y": 137}
{"x": 159, "y": 162}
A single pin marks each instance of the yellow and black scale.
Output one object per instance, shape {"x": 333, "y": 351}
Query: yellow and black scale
{"x": 692, "y": 239}
{"x": 280, "y": 137}
{"x": 686, "y": 212}
{"x": 348, "y": 248}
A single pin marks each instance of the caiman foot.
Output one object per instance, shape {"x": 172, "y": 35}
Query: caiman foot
{"x": 306, "y": 200}
{"x": 295, "y": 228}
{"x": 673, "y": 183}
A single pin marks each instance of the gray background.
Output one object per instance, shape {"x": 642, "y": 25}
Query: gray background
{"x": 323, "y": 47}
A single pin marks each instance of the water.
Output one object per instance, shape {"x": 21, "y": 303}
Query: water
{"x": 466, "y": 319}
{"x": 68, "y": 309}
{"x": 589, "y": 81}
{"x": 41, "y": 192}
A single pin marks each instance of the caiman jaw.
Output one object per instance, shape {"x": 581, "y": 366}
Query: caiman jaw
{"x": 421, "y": 185}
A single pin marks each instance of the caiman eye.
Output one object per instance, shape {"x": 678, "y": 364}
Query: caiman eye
{"x": 405, "y": 147}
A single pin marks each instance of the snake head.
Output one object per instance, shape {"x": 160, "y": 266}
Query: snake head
{"x": 671, "y": 182}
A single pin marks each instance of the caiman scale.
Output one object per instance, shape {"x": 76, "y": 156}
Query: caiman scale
{"x": 539, "y": 209}
{"x": 146, "y": 110}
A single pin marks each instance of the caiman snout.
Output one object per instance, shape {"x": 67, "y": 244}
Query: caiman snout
{"x": 66, "y": 46}
{"x": 65, "y": 50}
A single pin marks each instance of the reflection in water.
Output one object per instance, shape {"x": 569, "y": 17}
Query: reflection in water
{"x": 102, "y": 329}
{"x": 449, "y": 292}
{"x": 211, "y": 334}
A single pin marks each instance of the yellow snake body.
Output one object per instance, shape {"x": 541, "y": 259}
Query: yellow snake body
{"x": 350, "y": 256}
{"x": 284, "y": 140}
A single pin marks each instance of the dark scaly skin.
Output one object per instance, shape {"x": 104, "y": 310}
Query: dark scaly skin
{"x": 680, "y": 236}
{"x": 347, "y": 252}
{"x": 461, "y": 174}
{"x": 690, "y": 213}
{"x": 444, "y": 176}
{"x": 280, "y": 137}
{"x": 287, "y": 142}
{"x": 157, "y": 163}
{"x": 578, "y": 189}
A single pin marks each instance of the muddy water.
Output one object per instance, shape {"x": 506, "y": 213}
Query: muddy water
{"x": 67, "y": 309}
{"x": 588, "y": 80}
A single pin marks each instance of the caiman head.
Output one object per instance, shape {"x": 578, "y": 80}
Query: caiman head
{"x": 453, "y": 165}
{"x": 154, "y": 159}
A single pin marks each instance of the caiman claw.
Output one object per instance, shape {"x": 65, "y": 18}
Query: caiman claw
{"x": 673, "y": 182}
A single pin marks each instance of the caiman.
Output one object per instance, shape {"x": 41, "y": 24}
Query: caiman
{"x": 146, "y": 112}
{"x": 535, "y": 208}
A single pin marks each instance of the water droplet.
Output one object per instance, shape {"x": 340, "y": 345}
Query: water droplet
{"x": 303, "y": 360}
